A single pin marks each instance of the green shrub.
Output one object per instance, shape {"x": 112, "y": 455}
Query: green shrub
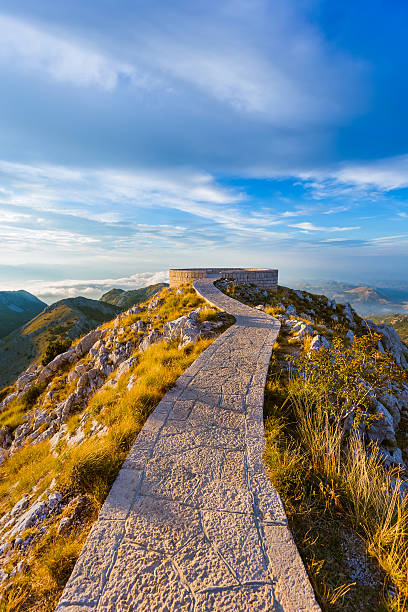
{"x": 32, "y": 395}
{"x": 54, "y": 348}
{"x": 347, "y": 377}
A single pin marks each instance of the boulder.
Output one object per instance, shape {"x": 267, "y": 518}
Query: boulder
{"x": 394, "y": 405}
{"x": 76, "y": 372}
{"x": 88, "y": 342}
{"x": 302, "y": 330}
{"x": 393, "y": 344}
{"x": 349, "y": 314}
{"x": 7, "y": 400}
{"x": 138, "y": 326}
{"x": 383, "y": 429}
{"x": 185, "y": 328}
{"x": 152, "y": 338}
{"x": 291, "y": 310}
{"x": 57, "y": 363}
{"x": 319, "y": 342}
{"x": 350, "y": 336}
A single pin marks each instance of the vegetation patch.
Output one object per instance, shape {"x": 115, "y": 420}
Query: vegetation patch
{"x": 345, "y": 507}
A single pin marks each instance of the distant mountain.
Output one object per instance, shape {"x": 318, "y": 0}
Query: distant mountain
{"x": 366, "y": 300}
{"x": 366, "y": 295}
{"x": 69, "y": 318}
{"x": 16, "y": 308}
{"x": 126, "y": 299}
{"x": 398, "y": 321}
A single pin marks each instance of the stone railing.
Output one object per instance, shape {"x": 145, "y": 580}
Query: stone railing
{"x": 193, "y": 523}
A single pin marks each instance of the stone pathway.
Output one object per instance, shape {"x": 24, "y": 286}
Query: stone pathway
{"x": 192, "y": 522}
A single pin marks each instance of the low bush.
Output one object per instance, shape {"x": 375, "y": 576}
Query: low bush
{"x": 207, "y": 314}
{"x": 54, "y": 348}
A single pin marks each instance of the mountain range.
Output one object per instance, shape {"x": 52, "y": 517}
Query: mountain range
{"x": 28, "y": 325}
{"x": 69, "y": 318}
{"x": 127, "y": 299}
{"x": 33, "y": 331}
{"x": 365, "y": 299}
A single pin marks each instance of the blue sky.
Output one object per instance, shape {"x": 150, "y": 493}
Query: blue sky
{"x": 138, "y": 136}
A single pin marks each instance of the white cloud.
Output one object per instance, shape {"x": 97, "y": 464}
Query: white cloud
{"x": 352, "y": 178}
{"x": 316, "y": 228}
{"x": 47, "y": 188}
{"x": 63, "y": 59}
{"x": 27, "y": 239}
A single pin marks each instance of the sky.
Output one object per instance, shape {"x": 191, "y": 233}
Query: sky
{"x": 138, "y": 136}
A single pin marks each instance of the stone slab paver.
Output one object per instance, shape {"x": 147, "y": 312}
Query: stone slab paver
{"x": 193, "y": 522}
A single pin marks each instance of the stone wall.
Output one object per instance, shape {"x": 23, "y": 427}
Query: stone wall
{"x": 262, "y": 277}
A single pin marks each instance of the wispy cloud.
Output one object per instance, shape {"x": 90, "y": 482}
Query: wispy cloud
{"x": 60, "y": 57}
{"x": 109, "y": 196}
{"x": 350, "y": 179}
{"x": 307, "y": 226}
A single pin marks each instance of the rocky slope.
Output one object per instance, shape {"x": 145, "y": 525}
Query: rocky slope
{"x": 16, "y": 308}
{"x": 66, "y": 428}
{"x": 311, "y": 322}
{"x": 69, "y": 318}
{"x": 398, "y": 321}
{"x": 127, "y": 299}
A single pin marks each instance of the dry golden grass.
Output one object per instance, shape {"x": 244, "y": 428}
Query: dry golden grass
{"x": 336, "y": 483}
{"x": 86, "y": 469}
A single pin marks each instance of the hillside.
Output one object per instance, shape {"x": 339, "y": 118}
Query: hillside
{"x": 69, "y": 318}
{"x": 66, "y": 428}
{"x": 398, "y": 321}
{"x": 127, "y": 299}
{"x": 16, "y": 308}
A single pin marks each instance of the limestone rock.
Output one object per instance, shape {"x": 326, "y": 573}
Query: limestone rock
{"x": 302, "y": 330}
{"x": 152, "y": 338}
{"x": 349, "y": 314}
{"x": 350, "y": 336}
{"x": 383, "y": 429}
{"x": 291, "y": 310}
{"x": 393, "y": 344}
{"x": 318, "y": 342}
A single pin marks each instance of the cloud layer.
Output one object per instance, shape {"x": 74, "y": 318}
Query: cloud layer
{"x": 68, "y": 288}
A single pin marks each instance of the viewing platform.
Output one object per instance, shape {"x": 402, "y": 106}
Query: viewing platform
{"x": 266, "y": 278}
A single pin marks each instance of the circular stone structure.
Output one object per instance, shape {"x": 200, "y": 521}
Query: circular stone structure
{"x": 266, "y": 278}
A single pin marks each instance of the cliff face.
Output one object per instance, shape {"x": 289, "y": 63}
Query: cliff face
{"x": 65, "y": 429}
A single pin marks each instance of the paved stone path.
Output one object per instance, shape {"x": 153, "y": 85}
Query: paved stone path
{"x": 192, "y": 522}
